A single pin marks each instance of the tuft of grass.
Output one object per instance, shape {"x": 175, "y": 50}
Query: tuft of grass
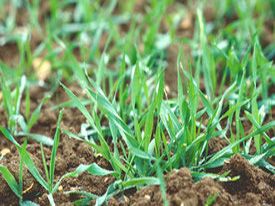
{"x": 49, "y": 184}
{"x": 120, "y": 58}
{"x": 20, "y": 124}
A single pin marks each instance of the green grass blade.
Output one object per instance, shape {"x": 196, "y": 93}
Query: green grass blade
{"x": 36, "y": 137}
{"x": 10, "y": 179}
{"x": 26, "y": 157}
{"x": 229, "y": 148}
{"x": 8, "y": 135}
{"x": 54, "y": 149}
{"x": 105, "y": 148}
{"x": 93, "y": 169}
{"x": 35, "y": 115}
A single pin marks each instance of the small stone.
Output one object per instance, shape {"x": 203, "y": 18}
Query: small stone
{"x": 106, "y": 179}
{"x": 167, "y": 89}
{"x": 126, "y": 199}
{"x": 42, "y": 68}
{"x": 5, "y": 151}
{"x": 60, "y": 188}
{"x": 186, "y": 23}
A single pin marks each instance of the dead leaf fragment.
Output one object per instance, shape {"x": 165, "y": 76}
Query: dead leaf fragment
{"x": 5, "y": 151}
{"x": 97, "y": 155}
{"x": 106, "y": 179}
{"x": 126, "y": 199}
{"x": 186, "y": 23}
{"x": 60, "y": 188}
{"x": 28, "y": 189}
{"x": 42, "y": 68}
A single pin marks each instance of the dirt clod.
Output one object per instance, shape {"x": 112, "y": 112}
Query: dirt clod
{"x": 31, "y": 187}
{"x": 254, "y": 185}
{"x": 181, "y": 190}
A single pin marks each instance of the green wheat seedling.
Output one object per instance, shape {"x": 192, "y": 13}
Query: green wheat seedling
{"x": 49, "y": 184}
{"x": 15, "y": 186}
{"x": 223, "y": 91}
{"x": 20, "y": 124}
{"x": 145, "y": 146}
{"x": 144, "y": 123}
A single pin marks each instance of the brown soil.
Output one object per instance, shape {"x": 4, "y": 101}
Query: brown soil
{"x": 254, "y": 187}
{"x": 181, "y": 190}
{"x": 216, "y": 144}
{"x": 9, "y": 54}
{"x": 71, "y": 153}
{"x": 30, "y": 186}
